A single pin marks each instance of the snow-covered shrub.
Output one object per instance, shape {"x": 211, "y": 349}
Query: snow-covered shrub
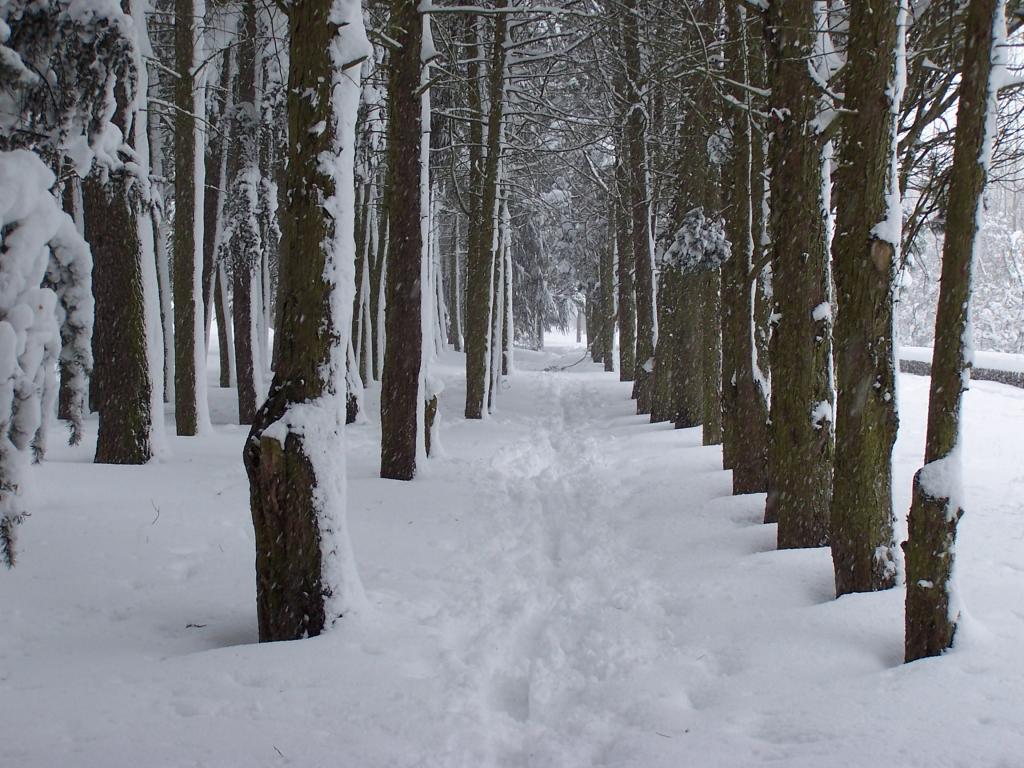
{"x": 699, "y": 244}
{"x": 33, "y": 231}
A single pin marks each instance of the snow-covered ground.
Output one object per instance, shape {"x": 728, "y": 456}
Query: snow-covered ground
{"x": 1000, "y": 361}
{"x": 568, "y": 585}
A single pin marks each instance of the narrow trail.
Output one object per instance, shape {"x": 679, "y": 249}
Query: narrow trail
{"x": 559, "y": 605}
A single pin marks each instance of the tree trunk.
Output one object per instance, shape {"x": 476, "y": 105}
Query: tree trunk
{"x": 122, "y": 387}
{"x": 800, "y": 443}
{"x": 225, "y": 337}
{"x": 217, "y": 149}
{"x": 245, "y": 244}
{"x": 688, "y": 361}
{"x": 399, "y": 398}
{"x": 480, "y": 254}
{"x": 931, "y": 611}
{"x": 664, "y": 406}
{"x": 635, "y": 139}
{"x": 711, "y": 357}
{"x": 294, "y": 457}
{"x": 607, "y": 288}
{"x": 744, "y": 407}
{"x": 455, "y": 288}
{"x": 864, "y": 264}
{"x": 627, "y": 301}
{"x": 188, "y": 195}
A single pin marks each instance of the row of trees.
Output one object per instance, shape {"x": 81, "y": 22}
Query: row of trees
{"x": 727, "y": 190}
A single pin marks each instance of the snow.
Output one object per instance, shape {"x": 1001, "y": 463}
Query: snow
{"x": 568, "y": 586}
{"x": 822, "y": 312}
{"x": 1000, "y": 361}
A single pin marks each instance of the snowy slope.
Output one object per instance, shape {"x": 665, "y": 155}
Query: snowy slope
{"x": 567, "y": 586}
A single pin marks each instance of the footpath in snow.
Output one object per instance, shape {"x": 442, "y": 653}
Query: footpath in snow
{"x": 565, "y": 585}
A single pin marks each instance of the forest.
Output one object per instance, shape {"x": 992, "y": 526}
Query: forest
{"x": 511, "y": 383}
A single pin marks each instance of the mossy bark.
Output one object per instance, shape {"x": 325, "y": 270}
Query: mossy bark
{"x": 930, "y": 619}
{"x": 800, "y": 444}
{"x": 865, "y": 276}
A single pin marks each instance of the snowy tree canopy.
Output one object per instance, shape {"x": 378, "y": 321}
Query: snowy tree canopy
{"x": 59, "y": 63}
{"x": 699, "y": 244}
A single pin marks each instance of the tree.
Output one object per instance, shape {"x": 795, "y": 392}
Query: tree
{"x": 865, "y": 260}
{"x": 190, "y": 408}
{"x": 744, "y": 395}
{"x": 242, "y": 231}
{"x": 294, "y": 457}
{"x": 634, "y": 136}
{"x": 399, "y": 397}
{"x": 482, "y": 246}
{"x": 931, "y": 609}
{"x": 800, "y": 435}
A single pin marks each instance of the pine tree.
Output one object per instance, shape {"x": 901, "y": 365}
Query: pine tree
{"x": 294, "y": 457}
{"x": 189, "y": 351}
{"x": 931, "y": 609}
{"x": 800, "y": 441}
{"x": 399, "y": 398}
{"x": 864, "y": 261}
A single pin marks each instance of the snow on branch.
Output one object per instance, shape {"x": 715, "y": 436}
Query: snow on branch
{"x": 699, "y": 244}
